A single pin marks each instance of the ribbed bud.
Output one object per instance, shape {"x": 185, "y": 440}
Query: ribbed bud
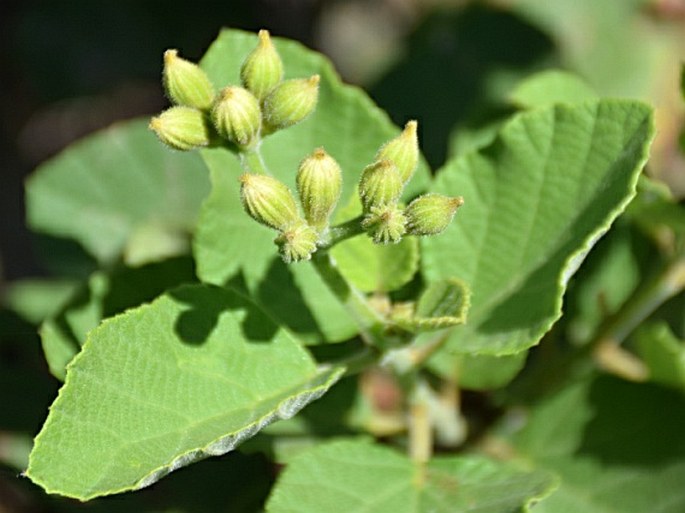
{"x": 319, "y": 183}
{"x": 290, "y": 102}
{"x": 403, "y": 151}
{"x": 236, "y": 116}
{"x": 385, "y": 224}
{"x": 380, "y": 185}
{"x": 262, "y": 69}
{"x": 431, "y": 213}
{"x": 297, "y": 243}
{"x": 268, "y": 201}
{"x": 185, "y": 82}
{"x": 182, "y": 128}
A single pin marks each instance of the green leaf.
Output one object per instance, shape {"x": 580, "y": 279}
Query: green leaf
{"x": 618, "y": 447}
{"x": 377, "y": 267}
{"x": 105, "y": 188}
{"x": 536, "y": 201}
{"x": 351, "y": 476}
{"x": 663, "y": 353}
{"x": 36, "y": 299}
{"x": 443, "y": 304}
{"x": 228, "y": 242}
{"x": 104, "y": 295}
{"x": 191, "y": 375}
{"x": 478, "y": 371}
{"x": 549, "y": 87}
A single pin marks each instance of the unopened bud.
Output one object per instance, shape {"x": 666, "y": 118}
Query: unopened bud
{"x": 290, "y": 102}
{"x": 268, "y": 201}
{"x": 262, "y": 69}
{"x": 380, "y": 184}
{"x": 403, "y": 151}
{"x": 385, "y": 224}
{"x": 185, "y": 82}
{"x": 236, "y": 116}
{"x": 319, "y": 182}
{"x": 182, "y": 128}
{"x": 297, "y": 243}
{"x": 431, "y": 213}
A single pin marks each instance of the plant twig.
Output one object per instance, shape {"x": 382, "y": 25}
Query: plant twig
{"x": 252, "y": 162}
{"x": 644, "y": 302}
{"x": 606, "y": 344}
{"x": 370, "y": 322}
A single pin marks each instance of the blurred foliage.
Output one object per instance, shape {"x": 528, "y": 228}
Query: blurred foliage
{"x": 73, "y": 67}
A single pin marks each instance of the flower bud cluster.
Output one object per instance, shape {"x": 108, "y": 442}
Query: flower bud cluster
{"x": 381, "y": 186}
{"x": 241, "y": 114}
{"x": 270, "y": 202}
{"x": 263, "y": 103}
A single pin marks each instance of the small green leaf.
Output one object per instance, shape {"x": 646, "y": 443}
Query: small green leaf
{"x": 103, "y": 189}
{"x": 549, "y": 87}
{"x": 351, "y": 476}
{"x": 229, "y": 243}
{"x": 443, "y": 304}
{"x": 191, "y": 375}
{"x": 663, "y": 353}
{"x": 617, "y": 446}
{"x": 536, "y": 201}
{"x": 36, "y": 299}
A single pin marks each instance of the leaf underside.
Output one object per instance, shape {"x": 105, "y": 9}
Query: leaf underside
{"x": 536, "y": 201}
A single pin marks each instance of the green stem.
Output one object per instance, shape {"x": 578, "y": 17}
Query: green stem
{"x": 252, "y": 162}
{"x": 359, "y": 361}
{"x": 370, "y": 322}
{"x": 343, "y": 231}
{"x": 420, "y": 429}
{"x": 413, "y": 356}
{"x": 644, "y": 302}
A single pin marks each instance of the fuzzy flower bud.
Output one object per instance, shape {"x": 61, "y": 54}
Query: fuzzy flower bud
{"x": 268, "y": 201}
{"x": 431, "y": 213}
{"x": 236, "y": 116}
{"x": 262, "y": 69}
{"x": 297, "y": 243}
{"x": 403, "y": 151}
{"x": 182, "y": 128}
{"x": 380, "y": 185}
{"x": 319, "y": 182}
{"x": 385, "y": 224}
{"x": 185, "y": 82}
{"x": 290, "y": 102}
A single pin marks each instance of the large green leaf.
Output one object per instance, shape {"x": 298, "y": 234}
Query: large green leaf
{"x": 353, "y": 476}
{"x": 550, "y": 87}
{"x": 349, "y": 126}
{"x": 618, "y": 447}
{"x": 536, "y": 201}
{"x": 105, "y": 294}
{"x": 190, "y": 375}
{"x": 110, "y": 187}
{"x": 377, "y": 268}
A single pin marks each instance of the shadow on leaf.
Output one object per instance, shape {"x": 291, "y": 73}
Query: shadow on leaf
{"x": 205, "y": 304}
